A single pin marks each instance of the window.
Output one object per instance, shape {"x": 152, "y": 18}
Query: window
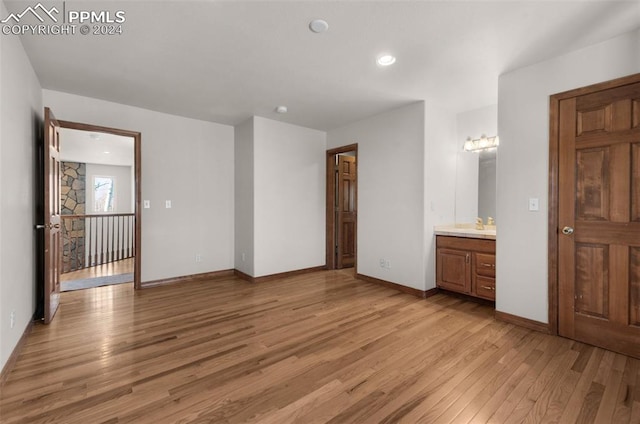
{"x": 103, "y": 194}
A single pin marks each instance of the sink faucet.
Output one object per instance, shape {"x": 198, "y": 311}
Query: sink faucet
{"x": 490, "y": 221}
{"x": 479, "y": 224}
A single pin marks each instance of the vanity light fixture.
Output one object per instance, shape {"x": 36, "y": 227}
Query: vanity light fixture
{"x": 482, "y": 143}
{"x": 386, "y": 60}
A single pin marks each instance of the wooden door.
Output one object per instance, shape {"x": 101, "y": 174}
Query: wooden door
{"x": 346, "y": 212}
{"x": 599, "y": 218}
{"x": 52, "y": 234}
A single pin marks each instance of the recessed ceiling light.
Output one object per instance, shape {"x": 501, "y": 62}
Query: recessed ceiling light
{"x": 386, "y": 60}
{"x": 281, "y": 109}
{"x": 318, "y": 26}
{"x": 106, "y": 152}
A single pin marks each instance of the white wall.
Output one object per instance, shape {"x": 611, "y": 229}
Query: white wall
{"x": 440, "y": 180}
{"x": 523, "y": 125}
{"x": 123, "y": 187}
{"x": 391, "y": 219}
{"x": 289, "y": 195}
{"x": 472, "y": 123}
{"x": 20, "y": 126}
{"x": 244, "y": 188}
{"x": 184, "y": 160}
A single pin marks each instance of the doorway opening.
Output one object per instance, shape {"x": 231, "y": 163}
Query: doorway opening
{"x": 342, "y": 207}
{"x": 97, "y": 198}
{"x": 105, "y": 246}
{"x": 49, "y": 261}
{"x": 113, "y": 190}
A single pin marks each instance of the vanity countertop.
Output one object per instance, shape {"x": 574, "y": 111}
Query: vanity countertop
{"x": 464, "y": 230}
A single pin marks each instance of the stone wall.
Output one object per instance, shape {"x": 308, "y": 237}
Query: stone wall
{"x": 73, "y": 194}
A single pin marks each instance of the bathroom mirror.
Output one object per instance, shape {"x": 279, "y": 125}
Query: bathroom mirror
{"x": 476, "y": 170}
{"x": 475, "y": 185}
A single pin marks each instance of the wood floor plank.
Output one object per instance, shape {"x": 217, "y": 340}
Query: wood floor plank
{"x": 483, "y": 406}
{"x": 471, "y": 397}
{"x": 611, "y": 389}
{"x": 624, "y": 402}
{"x": 549, "y": 348}
{"x": 573, "y": 406}
{"x": 591, "y": 403}
{"x": 315, "y": 348}
{"x": 540, "y": 389}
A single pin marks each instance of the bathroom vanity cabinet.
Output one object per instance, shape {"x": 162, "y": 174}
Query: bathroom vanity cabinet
{"x": 466, "y": 265}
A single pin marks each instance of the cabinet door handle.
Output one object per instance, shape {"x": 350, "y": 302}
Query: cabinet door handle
{"x": 487, "y": 265}
{"x": 488, "y": 288}
{"x": 466, "y": 259}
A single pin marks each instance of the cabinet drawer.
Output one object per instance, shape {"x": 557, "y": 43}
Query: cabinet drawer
{"x": 485, "y": 264}
{"x": 486, "y": 287}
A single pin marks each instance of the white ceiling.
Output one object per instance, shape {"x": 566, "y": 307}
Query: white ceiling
{"x": 224, "y": 61}
{"x": 90, "y": 147}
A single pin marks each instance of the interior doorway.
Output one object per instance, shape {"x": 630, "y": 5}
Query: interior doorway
{"x": 50, "y": 208}
{"x": 112, "y": 235}
{"x": 97, "y": 197}
{"x": 342, "y": 207}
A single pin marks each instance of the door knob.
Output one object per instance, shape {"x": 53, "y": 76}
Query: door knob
{"x": 567, "y": 231}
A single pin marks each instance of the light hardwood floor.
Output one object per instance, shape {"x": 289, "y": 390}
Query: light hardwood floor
{"x": 124, "y": 266}
{"x": 317, "y": 348}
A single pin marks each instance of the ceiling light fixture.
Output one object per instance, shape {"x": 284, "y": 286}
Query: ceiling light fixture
{"x": 106, "y": 152}
{"x": 281, "y": 109}
{"x": 318, "y": 26}
{"x": 386, "y": 60}
{"x": 482, "y": 143}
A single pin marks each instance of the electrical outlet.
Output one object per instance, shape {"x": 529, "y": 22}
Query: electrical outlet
{"x": 387, "y": 264}
{"x": 198, "y": 257}
{"x": 167, "y": 204}
{"x": 147, "y": 204}
{"x": 382, "y": 263}
{"x": 13, "y": 318}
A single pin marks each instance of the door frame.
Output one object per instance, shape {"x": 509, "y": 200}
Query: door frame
{"x": 137, "y": 159}
{"x": 554, "y": 154}
{"x": 330, "y": 208}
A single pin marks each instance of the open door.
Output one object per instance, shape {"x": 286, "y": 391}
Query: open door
{"x": 346, "y": 212}
{"x": 52, "y": 239}
{"x": 342, "y": 206}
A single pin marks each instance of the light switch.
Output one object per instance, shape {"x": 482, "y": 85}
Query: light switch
{"x": 534, "y": 204}
{"x": 147, "y": 204}
{"x": 167, "y": 204}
